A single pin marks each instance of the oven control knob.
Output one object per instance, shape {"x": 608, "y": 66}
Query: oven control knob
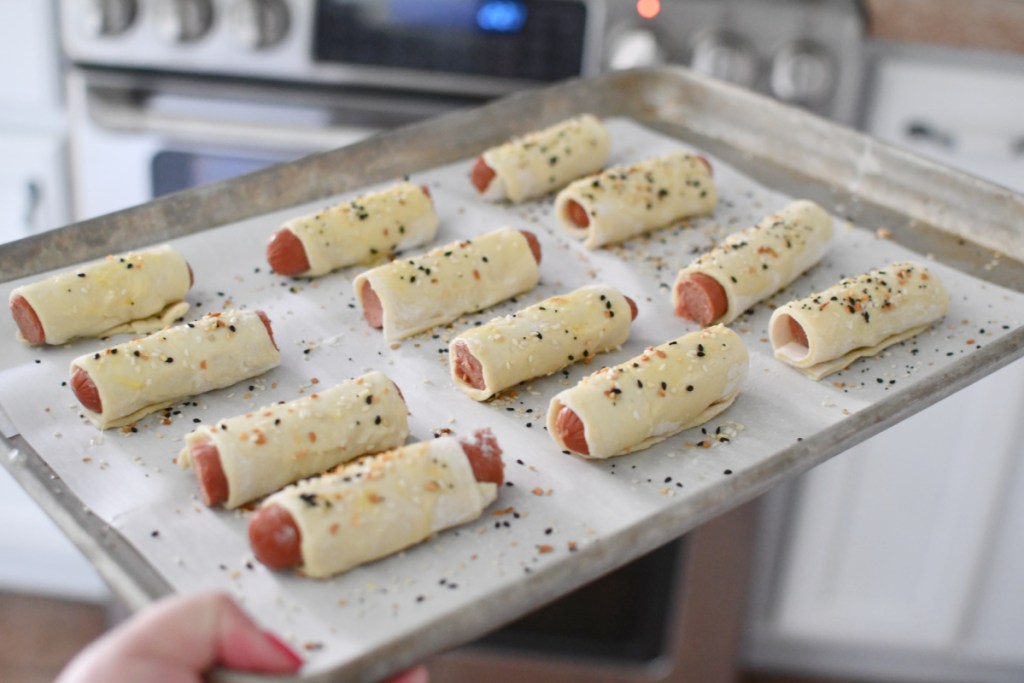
{"x": 183, "y": 21}
{"x": 258, "y": 24}
{"x": 634, "y": 47}
{"x": 725, "y": 56}
{"x": 110, "y": 17}
{"x": 803, "y": 73}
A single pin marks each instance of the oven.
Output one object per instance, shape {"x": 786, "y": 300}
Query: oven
{"x": 166, "y": 95}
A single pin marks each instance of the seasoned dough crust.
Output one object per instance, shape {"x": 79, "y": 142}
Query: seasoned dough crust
{"x": 545, "y": 160}
{"x": 437, "y": 287}
{"x": 94, "y": 300}
{"x": 858, "y": 317}
{"x": 366, "y": 229}
{"x": 753, "y": 264}
{"x": 544, "y": 338}
{"x": 626, "y": 201}
{"x": 666, "y": 389}
{"x": 278, "y": 444}
{"x": 144, "y": 375}
{"x": 380, "y": 505}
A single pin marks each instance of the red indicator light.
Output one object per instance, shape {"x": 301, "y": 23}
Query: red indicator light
{"x": 648, "y": 9}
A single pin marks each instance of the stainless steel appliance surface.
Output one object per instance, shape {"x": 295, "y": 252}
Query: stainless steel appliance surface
{"x": 168, "y": 94}
{"x": 803, "y": 52}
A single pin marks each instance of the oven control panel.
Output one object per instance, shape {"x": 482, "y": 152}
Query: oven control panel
{"x": 806, "y": 52}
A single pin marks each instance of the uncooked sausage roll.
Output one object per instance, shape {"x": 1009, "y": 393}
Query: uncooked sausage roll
{"x": 410, "y": 295}
{"x": 751, "y": 265}
{"x": 542, "y": 161}
{"x": 361, "y": 230}
{"x": 120, "y": 384}
{"x": 377, "y": 506}
{"x": 245, "y": 457}
{"x": 666, "y": 389}
{"x": 539, "y": 340}
{"x": 826, "y": 332}
{"x": 135, "y": 292}
{"x": 627, "y": 201}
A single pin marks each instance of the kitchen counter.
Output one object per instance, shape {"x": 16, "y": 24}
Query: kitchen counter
{"x": 996, "y": 25}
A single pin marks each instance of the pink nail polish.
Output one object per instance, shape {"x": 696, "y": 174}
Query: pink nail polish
{"x": 283, "y": 648}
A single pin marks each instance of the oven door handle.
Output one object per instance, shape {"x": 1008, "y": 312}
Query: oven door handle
{"x": 133, "y": 111}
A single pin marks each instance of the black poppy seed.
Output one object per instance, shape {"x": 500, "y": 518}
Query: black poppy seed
{"x": 689, "y": 387}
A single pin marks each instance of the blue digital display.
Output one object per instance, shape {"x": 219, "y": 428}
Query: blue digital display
{"x": 533, "y": 40}
{"x": 501, "y": 16}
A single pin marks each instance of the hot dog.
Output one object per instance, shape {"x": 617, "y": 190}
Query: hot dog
{"x": 542, "y": 161}
{"x": 248, "y": 456}
{"x": 539, "y": 340}
{"x": 625, "y": 201}
{"x": 482, "y": 175}
{"x": 569, "y": 427}
{"x": 138, "y": 292}
{"x": 377, "y": 506}
{"x": 118, "y": 385}
{"x": 752, "y": 264}
{"x": 362, "y": 230}
{"x": 28, "y": 323}
{"x": 700, "y": 298}
{"x": 857, "y": 317}
{"x": 286, "y": 254}
{"x": 373, "y": 311}
{"x": 576, "y": 214}
{"x": 669, "y": 388}
{"x": 410, "y": 295}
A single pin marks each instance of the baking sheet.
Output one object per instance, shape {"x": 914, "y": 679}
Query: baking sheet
{"x": 560, "y": 520}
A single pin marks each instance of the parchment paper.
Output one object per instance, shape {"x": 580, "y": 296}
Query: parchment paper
{"x": 561, "y": 504}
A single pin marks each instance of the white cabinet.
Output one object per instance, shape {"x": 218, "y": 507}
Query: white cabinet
{"x": 901, "y": 559}
{"x": 33, "y": 183}
{"x": 34, "y": 554}
{"x": 33, "y": 149}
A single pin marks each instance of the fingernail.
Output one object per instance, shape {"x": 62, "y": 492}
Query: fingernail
{"x": 283, "y": 648}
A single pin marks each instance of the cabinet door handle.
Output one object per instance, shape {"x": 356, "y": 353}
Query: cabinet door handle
{"x": 33, "y": 202}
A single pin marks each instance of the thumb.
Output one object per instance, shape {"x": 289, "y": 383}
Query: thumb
{"x": 187, "y": 634}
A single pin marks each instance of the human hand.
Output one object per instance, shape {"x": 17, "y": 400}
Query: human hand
{"x": 181, "y": 637}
